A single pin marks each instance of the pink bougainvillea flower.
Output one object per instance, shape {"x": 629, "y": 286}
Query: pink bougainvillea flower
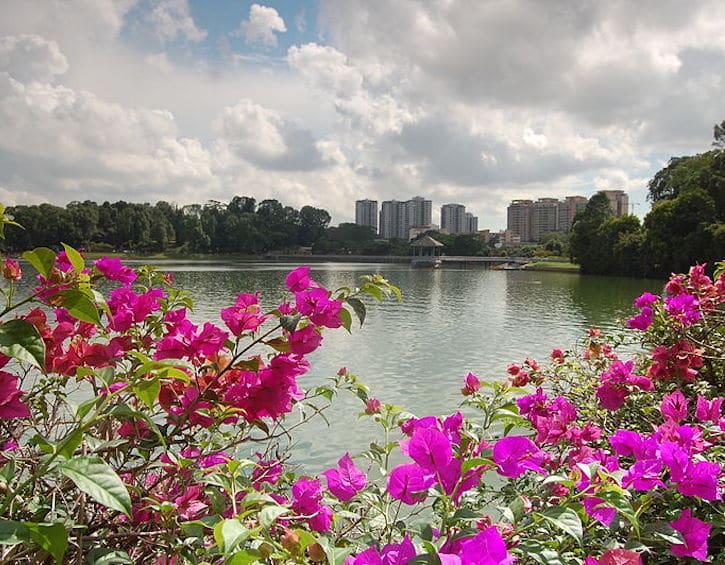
{"x": 298, "y": 279}
{"x": 305, "y": 340}
{"x": 619, "y": 556}
{"x": 245, "y": 315}
{"x": 645, "y": 299}
{"x": 643, "y": 320}
{"x": 701, "y": 479}
{"x": 10, "y": 404}
{"x": 409, "y": 483}
{"x": 695, "y": 533}
{"x": 471, "y": 385}
{"x": 372, "y": 406}
{"x": 615, "y": 383}
{"x": 598, "y": 509}
{"x": 317, "y": 305}
{"x": 644, "y": 475}
{"x": 113, "y": 269}
{"x": 674, "y": 406}
{"x": 306, "y": 501}
{"x": 557, "y": 355}
{"x": 486, "y": 548}
{"x": 684, "y": 308}
{"x": 11, "y": 270}
{"x": 708, "y": 410}
{"x": 346, "y": 480}
{"x": 515, "y": 455}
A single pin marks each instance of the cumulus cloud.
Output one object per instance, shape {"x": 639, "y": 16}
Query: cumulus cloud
{"x": 31, "y": 57}
{"x": 265, "y": 138}
{"x": 171, "y": 20}
{"x": 262, "y": 25}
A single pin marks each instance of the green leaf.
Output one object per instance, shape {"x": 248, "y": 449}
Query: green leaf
{"x": 245, "y": 557}
{"x": 96, "y": 478}
{"x": 74, "y": 257}
{"x": 616, "y": 497}
{"x": 269, "y": 515}
{"x": 230, "y": 533}
{"x": 372, "y": 290}
{"x": 148, "y": 391}
{"x": 80, "y": 306}
{"x": 566, "y": 519}
{"x": 107, "y": 556}
{"x": 70, "y": 443}
{"x": 51, "y": 537}
{"x": 540, "y": 553}
{"x": 359, "y": 307}
{"x": 346, "y": 319}
{"x": 42, "y": 259}
{"x": 13, "y": 533}
{"x": 20, "y": 339}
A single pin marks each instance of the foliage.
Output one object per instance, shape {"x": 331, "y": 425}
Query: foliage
{"x": 135, "y": 435}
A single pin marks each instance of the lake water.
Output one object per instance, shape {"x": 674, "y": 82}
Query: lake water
{"x": 417, "y": 352}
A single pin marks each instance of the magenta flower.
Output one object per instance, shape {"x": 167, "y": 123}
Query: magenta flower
{"x": 674, "y": 406}
{"x": 392, "y": 554}
{"x": 645, "y": 299}
{"x": 372, "y": 406}
{"x": 245, "y": 315}
{"x": 486, "y": 548}
{"x": 695, "y": 533}
{"x": 305, "y": 340}
{"x": 298, "y": 279}
{"x": 684, "y": 308}
{"x": 615, "y": 383}
{"x": 10, "y": 404}
{"x": 306, "y": 498}
{"x": 641, "y": 321}
{"x": 317, "y": 305}
{"x": 471, "y": 385}
{"x": 708, "y": 411}
{"x": 644, "y": 475}
{"x": 517, "y": 454}
{"x": 346, "y": 480}
{"x": 598, "y": 509}
{"x": 114, "y": 270}
{"x": 701, "y": 480}
{"x": 409, "y": 483}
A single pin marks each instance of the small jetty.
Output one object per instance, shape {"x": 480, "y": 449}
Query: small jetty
{"x": 427, "y": 253}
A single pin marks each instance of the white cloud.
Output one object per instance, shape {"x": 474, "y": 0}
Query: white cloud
{"x": 31, "y": 57}
{"x": 171, "y": 20}
{"x": 262, "y": 25}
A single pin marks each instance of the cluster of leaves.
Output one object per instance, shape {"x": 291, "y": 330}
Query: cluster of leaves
{"x": 239, "y": 226}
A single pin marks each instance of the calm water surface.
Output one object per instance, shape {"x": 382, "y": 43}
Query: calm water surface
{"x": 416, "y": 353}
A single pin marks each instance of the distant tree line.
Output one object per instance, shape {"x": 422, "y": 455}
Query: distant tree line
{"x": 685, "y": 226}
{"x": 240, "y": 226}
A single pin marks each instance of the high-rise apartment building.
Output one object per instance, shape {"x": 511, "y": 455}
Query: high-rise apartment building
{"x": 453, "y": 218}
{"x": 419, "y": 212}
{"x": 397, "y": 218}
{"x": 393, "y": 220}
{"x": 471, "y": 223}
{"x": 544, "y": 218}
{"x": 568, "y": 209}
{"x": 618, "y": 200}
{"x": 518, "y": 218}
{"x": 366, "y": 213}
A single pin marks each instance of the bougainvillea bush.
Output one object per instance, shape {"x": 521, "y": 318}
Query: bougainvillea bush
{"x": 131, "y": 434}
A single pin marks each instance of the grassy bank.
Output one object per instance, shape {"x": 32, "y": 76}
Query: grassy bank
{"x": 555, "y": 266}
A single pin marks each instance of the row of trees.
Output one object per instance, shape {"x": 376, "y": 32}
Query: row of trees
{"x": 241, "y": 226}
{"x": 685, "y": 226}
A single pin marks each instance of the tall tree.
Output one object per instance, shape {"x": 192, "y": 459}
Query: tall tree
{"x": 583, "y": 233}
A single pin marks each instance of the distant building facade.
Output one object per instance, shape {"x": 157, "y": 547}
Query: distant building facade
{"x": 455, "y": 219}
{"x": 618, "y": 200}
{"x": 568, "y": 210}
{"x": 529, "y": 221}
{"x": 397, "y": 217}
{"x": 366, "y": 213}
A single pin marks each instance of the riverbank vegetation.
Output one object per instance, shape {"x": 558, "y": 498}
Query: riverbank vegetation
{"x": 686, "y": 224}
{"x": 133, "y": 435}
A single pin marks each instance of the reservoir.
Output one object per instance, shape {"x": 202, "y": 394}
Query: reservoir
{"x": 416, "y": 353}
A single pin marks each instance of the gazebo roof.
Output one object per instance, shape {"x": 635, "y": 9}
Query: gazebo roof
{"x": 427, "y": 241}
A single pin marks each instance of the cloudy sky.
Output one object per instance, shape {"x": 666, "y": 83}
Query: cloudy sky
{"x": 324, "y": 102}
